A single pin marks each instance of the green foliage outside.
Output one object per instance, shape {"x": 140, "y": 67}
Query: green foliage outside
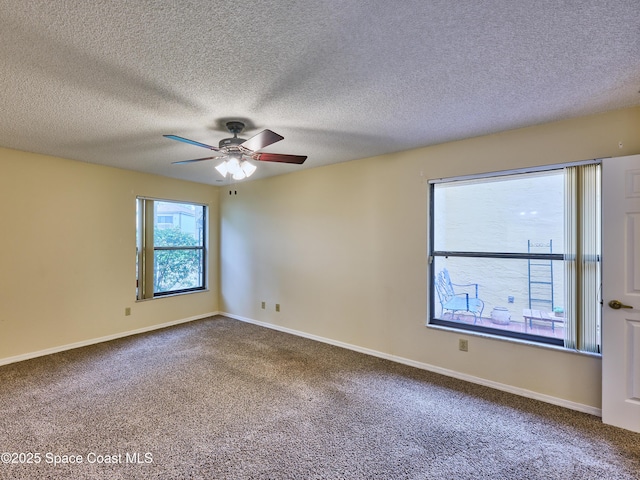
{"x": 175, "y": 269}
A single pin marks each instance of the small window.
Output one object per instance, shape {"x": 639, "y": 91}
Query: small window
{"x": 518, "y": 255}
{"x": 171, "y": 253}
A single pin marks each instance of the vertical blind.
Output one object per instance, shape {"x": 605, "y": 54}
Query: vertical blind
{"x": 582, "y": 257}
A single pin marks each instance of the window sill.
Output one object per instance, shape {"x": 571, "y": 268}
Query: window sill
{"x": 170, "y": 295}
{"x": 513, "y": 340}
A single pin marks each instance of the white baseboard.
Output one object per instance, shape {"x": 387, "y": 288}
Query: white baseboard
{"x": 93, "y": 341}
{"x": 432, "y": 368}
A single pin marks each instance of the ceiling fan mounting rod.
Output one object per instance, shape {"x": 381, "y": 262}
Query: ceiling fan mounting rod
{"x": 235, "y": 127}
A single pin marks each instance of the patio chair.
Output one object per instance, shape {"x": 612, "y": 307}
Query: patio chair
{"x": 458, "y": 301}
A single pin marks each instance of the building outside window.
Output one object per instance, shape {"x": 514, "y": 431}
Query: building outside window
{"x": 165, "y": 221}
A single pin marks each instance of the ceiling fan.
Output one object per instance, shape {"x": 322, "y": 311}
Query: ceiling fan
{"x": 236, "y": 151}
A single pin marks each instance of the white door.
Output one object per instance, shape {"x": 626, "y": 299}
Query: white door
{"x": 621, "y": 283}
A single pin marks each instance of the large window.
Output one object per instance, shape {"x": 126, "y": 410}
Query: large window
{"x": 171, "y": 253}
{"x": 518, "y": 255}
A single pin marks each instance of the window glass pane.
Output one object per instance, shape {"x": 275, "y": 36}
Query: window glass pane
{"x": 178, "y": 224}
{"x": 177, "y": 269}
{"x": 500, "y": 214}
{"x": 508, "y": 295}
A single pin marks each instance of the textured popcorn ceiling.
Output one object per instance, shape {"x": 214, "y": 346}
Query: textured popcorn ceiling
{"x": 102, "y": 81}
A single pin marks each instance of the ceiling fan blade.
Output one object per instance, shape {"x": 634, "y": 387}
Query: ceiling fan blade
{"x": 192, "y": 142}
{"x": 278, "y": 157}
{"x": 195, "y": 160}
{"x": 261, "y": 140}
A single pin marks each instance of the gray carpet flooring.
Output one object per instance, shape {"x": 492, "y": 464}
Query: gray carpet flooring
{"x": 222, "y": 399}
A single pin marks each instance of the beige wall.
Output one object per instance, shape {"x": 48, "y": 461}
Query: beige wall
{"x": 67, "y": 253}
{"x": 343, "y": 250}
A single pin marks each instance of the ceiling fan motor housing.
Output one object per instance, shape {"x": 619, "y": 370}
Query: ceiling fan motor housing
{"x": 230, "y": 142}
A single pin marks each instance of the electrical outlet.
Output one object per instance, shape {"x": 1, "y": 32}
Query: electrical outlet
{"x": 277, "y": 307}
{"x": 127, "y": 311}
{"x": 463, "y": 345}
{"x": 263, "y": 305}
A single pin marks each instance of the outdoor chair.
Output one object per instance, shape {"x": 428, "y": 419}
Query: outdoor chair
{"x": 453, "y": 297}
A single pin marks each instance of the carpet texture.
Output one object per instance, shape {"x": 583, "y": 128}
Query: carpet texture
{"x": 222, "y": 399}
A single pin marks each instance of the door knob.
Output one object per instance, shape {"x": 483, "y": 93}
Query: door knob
{"x": 617, "y": 304}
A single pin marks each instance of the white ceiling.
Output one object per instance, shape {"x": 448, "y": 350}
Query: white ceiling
{"x": 101, "y": 81}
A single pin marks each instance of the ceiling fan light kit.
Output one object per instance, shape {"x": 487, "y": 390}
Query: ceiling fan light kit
{"x": 235, "y": 149}
{"x": 237, "y": 168}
